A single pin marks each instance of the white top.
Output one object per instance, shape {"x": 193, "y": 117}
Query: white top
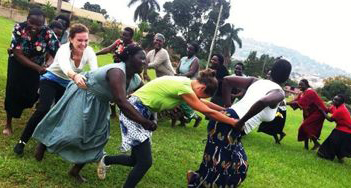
{"x": 63, "y": 62}
{"x": 255, "y": 92}
{"x": 160, "y": 62}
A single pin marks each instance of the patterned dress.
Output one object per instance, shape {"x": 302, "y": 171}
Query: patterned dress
{"x": 78, "y": 126}
{"x": 23, "y": 82}
{"x": 224, "y": 162}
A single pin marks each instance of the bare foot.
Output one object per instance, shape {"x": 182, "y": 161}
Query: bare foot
{"x": 7, "y": 132}
{"x": 77, "y": 177}
{"x": 39, "y": 152}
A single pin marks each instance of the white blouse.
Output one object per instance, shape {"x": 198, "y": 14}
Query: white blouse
{"x": 255, "y": 92}
{"x": 63, "y": 62}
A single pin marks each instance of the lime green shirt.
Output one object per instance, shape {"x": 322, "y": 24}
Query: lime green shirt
{"x": 164, "y": 92}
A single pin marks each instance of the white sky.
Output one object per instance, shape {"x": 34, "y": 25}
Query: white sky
{"x": 320, "y": 29}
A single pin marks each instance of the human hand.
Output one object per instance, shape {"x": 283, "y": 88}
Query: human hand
{"x": 146, "y": 77}
{"x": 79, "y": 80}
{"x": 149, "y": 125}
{"x": 238, "y": 124}
{"x": 41, "y": 70}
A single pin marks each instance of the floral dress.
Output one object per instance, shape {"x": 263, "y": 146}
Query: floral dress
{"x": 23, "y": 82}
{"x": 224, "y": 162}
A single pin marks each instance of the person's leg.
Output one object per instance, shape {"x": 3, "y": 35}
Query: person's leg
{"x": 39, "y": 151}
{"x": 8, "y": 127}
{"x": 46, "y": 98}
{"x": 316, "y": 143}
{"x": 306, "y": 143}
{"x": 197, "y": 120}
{"x": 143, "y": 161}
{"x": 125, "y": 160}
{"x": 106, "y": 161}
{"x": 74, "y": 172}
{"x": 277, "y": 141}
{"x": 113, "y": 110}
{"x": 282, "y": 135}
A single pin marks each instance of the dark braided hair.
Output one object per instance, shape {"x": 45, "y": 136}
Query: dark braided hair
{"x": 55, "y": 24}
{"x": 129, "y": 50}
{"x": 35, "y": 12}
{"x": 196, "y": 46}
{"x": 220, "y": 58}
{"x": 305, "y": 82}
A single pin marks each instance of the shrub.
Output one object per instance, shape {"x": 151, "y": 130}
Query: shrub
{"x": 111, "y": 33}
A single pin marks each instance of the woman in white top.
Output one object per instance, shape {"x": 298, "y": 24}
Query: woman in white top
{"x": 69, "y": 61}
{"x": 225, "y": 161}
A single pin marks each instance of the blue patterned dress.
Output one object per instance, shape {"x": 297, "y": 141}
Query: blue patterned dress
{"x": 78, "y": 126}
{"x": 224, "y": 161}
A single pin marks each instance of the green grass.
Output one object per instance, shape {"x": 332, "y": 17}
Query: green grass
{"x": 175, "y": 150}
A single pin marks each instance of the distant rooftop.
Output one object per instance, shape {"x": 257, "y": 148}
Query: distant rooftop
{"x": 68, "y": 7}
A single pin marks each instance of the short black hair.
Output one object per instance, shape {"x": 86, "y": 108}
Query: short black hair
{"x": 220, "y": 58}
{"x": 55, "y": 24}
{"x": 64, "y": 17}
{"x": 305, "y": 81}
{"x": 342, "y": 98}
{"x": 196, "y": 46}
{"x": 241, "y": 64}
{"x": 35, "y": 12}
{"x": 130, "y": 30}
{"x": 130, "y": 50}
{"x": 280, "y": 71}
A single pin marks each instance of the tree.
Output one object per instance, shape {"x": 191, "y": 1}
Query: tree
{"x": 95, "y": 8}
{"x": 258, "y": 67}
{"x": 195, "y": 20}
{"x": 144, "y": 9}
{"x": 337, "y": 85}
{"x": 49, "y": 11}
{"x": 229, "y": 40}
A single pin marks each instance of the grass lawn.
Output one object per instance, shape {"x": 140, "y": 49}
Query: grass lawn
{"x": 175, "y": 150}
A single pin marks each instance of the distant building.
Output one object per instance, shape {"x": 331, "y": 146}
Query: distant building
{"x": 314, "y": 80}
{"x": 70, "y": 9}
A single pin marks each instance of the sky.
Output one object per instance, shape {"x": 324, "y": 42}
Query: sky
{"x": 320, "y": 29}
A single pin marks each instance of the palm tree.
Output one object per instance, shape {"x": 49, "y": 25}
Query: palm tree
{"x": 230, "y": 39}
{"x": 145, "y": 7}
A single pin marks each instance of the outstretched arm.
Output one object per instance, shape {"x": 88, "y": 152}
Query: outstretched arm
{"x": 325, "y": 114}
{"x": 117, "y": 81}
{"x": 107, "y": 49}
{"x": 212, "y": 105}
{"x": 272, "y": 99}
{"x": 195, "y": 103}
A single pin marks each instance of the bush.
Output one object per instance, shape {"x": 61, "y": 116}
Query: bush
{"x": 337, "y": 85}
{"x": 111, "y": 33}
{"x": 93, "y": 26}
{"x": 49, "y": 11}
{"x": 22, "y": 4}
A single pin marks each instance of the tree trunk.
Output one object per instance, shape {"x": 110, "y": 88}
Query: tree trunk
{"x": 214, "y": 36}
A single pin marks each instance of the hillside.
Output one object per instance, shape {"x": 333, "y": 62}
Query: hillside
{"x": 302, "y": 64}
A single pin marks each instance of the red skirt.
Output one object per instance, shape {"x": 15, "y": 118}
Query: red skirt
{"x": 311, "y": 126}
